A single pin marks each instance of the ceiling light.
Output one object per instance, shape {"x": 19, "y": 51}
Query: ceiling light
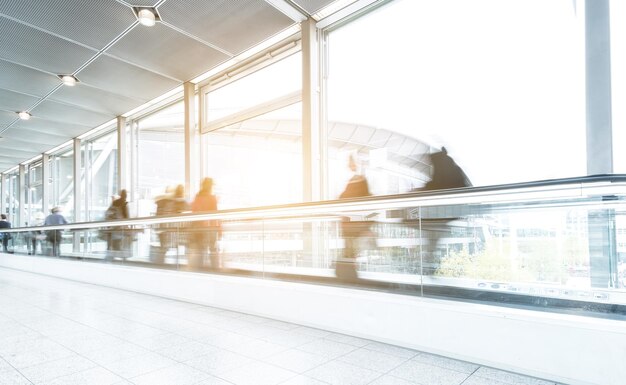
{"x": 146, "y": 17}
{"x": 68, "y": 80}
{"x": 24, "y": 115}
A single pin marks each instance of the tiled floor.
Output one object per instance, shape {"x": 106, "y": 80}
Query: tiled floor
{"x": 58, "y": 332}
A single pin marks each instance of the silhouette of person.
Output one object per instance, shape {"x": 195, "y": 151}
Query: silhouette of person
{"x": 207, "y": 232}
{"x": 54, "y": 236}
{"x": 168, "y": 204}
{"x": 5, "y": 224}
{"x": 446, "y": 174}
{"x": 33, "y": 237}
{"x": 351, "y": 232}
{"x": 117, "y": 210}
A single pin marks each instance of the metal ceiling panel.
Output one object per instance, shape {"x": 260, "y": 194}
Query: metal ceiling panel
{"x": 71, "y": 114}
{"x": 7, "y": 150}
{"x": 143, "y": 3}
{"x": 234, "y": 26}
{"x": 94, "y": 23}
{"x": 30, "y": 47}
{"x": 109, "y": 74}
{"x": 166, "y": 51}
{"x": 25, "y": 80}
{"x": 95, "y": 99}
{"x": 27, "y": 147}
{"x": 312, "y": 6}
{"x": 63, "y": 130}
{"x": 13, "y": 101}
{"x": 20, "y": 133}
{"x": 6, "y": 117}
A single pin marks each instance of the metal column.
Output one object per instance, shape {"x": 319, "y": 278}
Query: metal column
{"x": 192, "y": 139}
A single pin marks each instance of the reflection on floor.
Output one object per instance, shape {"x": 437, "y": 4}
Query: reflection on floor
{"x": 54, "y": 331}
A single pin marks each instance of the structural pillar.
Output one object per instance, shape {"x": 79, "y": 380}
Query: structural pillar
{"x": 3, "y": 192}
{"x": 311, "y": 132}
{"x": 45, "y": 183}
{"x": 21, "y": 206}
{"x": 122, "y": 155}
{"x": 601, "y": 223}
{"x": 192, "y": 141}
{"x": 598, "y": 87}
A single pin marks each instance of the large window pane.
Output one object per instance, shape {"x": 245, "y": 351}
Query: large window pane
{"x": 160, "y": 155}
{"x": 499, "y": 83}
{"x": 101, "y": 163}
{"x": 258, "y": 161}
{"x": 278, "y": 79}
{"x": 62, "y": 170}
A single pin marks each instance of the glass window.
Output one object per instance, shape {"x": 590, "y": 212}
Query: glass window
{"x": 160, "y": 155}
{"x": 413, "y": 76}
{"x": 258, "y": 161}
{"x": 62, "y": 171}
{"x": 101, "y": 163}
{"x": 34, "y": 193}
{"x": 276, "y": 80}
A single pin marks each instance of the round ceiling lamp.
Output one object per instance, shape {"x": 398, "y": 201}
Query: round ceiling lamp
{"x": 146, "y": 17}
{"x": 24, "y": 115}
{"x": 68, "y": 80}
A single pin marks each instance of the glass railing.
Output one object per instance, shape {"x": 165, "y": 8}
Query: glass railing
{"x": 555, "y": 245}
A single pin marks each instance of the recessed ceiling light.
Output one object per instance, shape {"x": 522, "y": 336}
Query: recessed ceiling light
{"x": 68, "y": 80}
{"x": 24, "y": 115}
{"x": 146, "y": 17}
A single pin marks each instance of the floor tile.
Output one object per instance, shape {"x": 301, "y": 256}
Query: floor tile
{"x": 509, "y": 378}
{"x": 391, "y": 349}
{"x": 136, "y": 366}
{"x": 369, "y": 359}
{"x": 257, "y": 373}
{"x": 12, "y": 377}
{"x": 303, "y": 380}
{"x": 447, "y": 363}
{"x": 186, "y": 351}
{"x": 178, "y": 374}
{"x": 218, "y": 361}
{"x": 115, "y": 353}
{"x": 53, "y": 369}
{"x": 390, "y": 380}
{"x": 340, "y": 373}
{"x": 428, "y": 374}
{"x": 326, "y": 348}
{"x": 296, "y": 360}
{"x": 94, "y": 376}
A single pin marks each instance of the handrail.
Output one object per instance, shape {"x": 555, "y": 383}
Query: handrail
{"x": 559, "y": 188}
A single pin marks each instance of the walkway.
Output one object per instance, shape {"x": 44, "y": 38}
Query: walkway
{"x": 54, "y": 331}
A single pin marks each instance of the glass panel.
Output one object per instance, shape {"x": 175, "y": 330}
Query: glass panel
{"x": 264, "y": 160}
{"x": 160, "y": 155}
{"x": 495, "y": 93}
{"x": 63, "y": 183}
{"x": 552, "y": 247}
{"x": 101, "y": 161}
{"x": 271, "y": 82}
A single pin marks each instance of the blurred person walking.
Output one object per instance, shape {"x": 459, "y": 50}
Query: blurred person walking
{"x": 5, "y": 224}
{"x": 55, "y": 236}
{"x": 206, "y": 233}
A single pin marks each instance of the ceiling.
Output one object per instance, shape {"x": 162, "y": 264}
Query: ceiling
{"x": 120, "y": 63}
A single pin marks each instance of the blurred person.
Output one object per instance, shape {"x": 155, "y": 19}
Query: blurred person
{"x": 54, "y": 236}
{"x": 172, "y": 202}
{"x": 446, "y": 174}
{"x": 352, "y": 231}
{"x": 206, "y": 233}
{"x": 117, "y": 210}
{"x": 33, "y": 238}
{"x": 5, "y": 224}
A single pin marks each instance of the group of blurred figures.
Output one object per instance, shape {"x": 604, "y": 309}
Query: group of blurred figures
{"x": 48, "y": 241}
{"x": 446, "y": 174}
{"x": 200, "y": 237}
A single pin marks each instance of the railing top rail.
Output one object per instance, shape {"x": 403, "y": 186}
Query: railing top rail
{"x": 566, "y": 188}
